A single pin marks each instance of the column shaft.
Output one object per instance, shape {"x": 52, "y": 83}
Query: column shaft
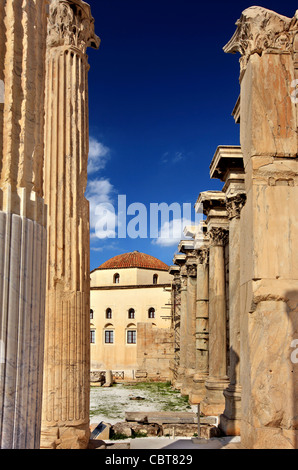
{"x": 65, "y": 417}
{"x": 22, "y": 222}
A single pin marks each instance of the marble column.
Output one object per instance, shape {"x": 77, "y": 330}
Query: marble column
{"x": 202, "y": 327}
{"x": 230, "y": 420}
{"x": 180, "y": 376}
{"x": 268, "y": 44}
{"x": 227, "y": 165}
{"x": 176, "y": 307}
{"x": 214, "y": 207}
{"x": 22, "y": 222}
{"x": 190, "y": 359}
{"x": 65, "y": 414}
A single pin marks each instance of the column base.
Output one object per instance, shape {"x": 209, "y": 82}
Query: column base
{"x": 65, "y": 437}
{"x": 230, "y": 420}
{"x": 214, "y": 401}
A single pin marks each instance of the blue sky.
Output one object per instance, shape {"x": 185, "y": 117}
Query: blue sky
{"x": 161, "y": 94}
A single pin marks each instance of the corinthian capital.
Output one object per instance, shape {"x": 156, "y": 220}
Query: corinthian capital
{"x": 218, "y": 236}
{"x": 71, "y": 24}
{"x": 234, "y": 205}
{"x": 260, "y": 30}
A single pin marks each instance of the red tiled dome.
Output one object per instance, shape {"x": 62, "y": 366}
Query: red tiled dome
{"x": 134, "y": 260}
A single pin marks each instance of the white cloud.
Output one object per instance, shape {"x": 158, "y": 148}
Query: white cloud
{"x": 103, "y": 218}
{"x": 98, "y": 155}
{"x": 176, "y": 157}
{"x": 171, "y": 233}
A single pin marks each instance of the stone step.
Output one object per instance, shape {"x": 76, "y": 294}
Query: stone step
{"x": 169, "y": 417}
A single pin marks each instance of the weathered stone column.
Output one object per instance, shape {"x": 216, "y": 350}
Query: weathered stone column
{"x": 202, "y": 328}
{"x": 214, "y": 207}
{"x": 180, "y": 376}
{"x": 22, "y": 221}
{"x": 65, "y": 419}
{"x": 268, "y": 44}
{"x": 176, "y": 307}
{"x": 191, "y": 267}
{"x": 230, "y": 420}
{"x": 227, "y": 165}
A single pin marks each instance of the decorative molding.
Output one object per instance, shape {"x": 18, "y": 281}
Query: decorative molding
{"x": 71, "y": 24}
{"x": 262, "y": 31}
{"x": 234, "y": 205}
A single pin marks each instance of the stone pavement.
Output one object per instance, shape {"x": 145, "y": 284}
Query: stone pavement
{"x": 168, "y": 443}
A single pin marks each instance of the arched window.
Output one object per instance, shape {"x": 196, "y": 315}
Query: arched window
{"x": 108, "y": 334}
{"x": 108, "y": 313}
{"x": 116, "y": 278}
{"x": 91, "y": 314}
{"x": 151, "y": 312}
{"x": 131, "y": 334}
{"x": 131, "y": 313}
{"x": 155, "y": 278}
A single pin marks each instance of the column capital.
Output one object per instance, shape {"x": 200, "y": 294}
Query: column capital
{"x": 218, "y": 236}
{"x": 262, "y": 31}
{"x": 235, "y": 204}
{"x": 203, "y": 256}
{"x": 71, "y": 24}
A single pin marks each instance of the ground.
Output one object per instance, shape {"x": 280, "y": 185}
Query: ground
{"x": 110, "y": 404}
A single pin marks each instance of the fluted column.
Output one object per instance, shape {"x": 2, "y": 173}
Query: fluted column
{"x": 65, "y": 418}
{"x": 217, "y": 380}
{"x": 22, "y": 221}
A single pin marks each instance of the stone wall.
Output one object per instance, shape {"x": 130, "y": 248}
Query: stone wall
{"x": 155, "y": 352}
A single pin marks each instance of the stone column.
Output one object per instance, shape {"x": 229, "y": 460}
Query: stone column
{"x": 22, "y": 222}
{"x": 214, "y": 207}
{"x": 183, "y": 322}
{"x": 190, "y": 357}
{"x": 227, "y": 165}
{"x": 202, "y": 328}
{"x": 230, "y": 420}
{"x": 213, "y": 403}
{"x": 65, "y": 417}
{"x": 268, "y": 44}
{"x": 176, "y": 307}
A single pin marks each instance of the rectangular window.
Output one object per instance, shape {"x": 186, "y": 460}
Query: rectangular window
{"x": 109, "y": 336}
{"x": 92, "y": 336}
{"x": 131, "y": 337}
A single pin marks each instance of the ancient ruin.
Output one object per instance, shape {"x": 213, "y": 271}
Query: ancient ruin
{"x": 250, "y": 235}
{"x": 234, "y": 290}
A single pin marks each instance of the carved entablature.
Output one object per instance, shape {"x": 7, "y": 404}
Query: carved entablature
{"x": 218, "y": 236}
{"x": 234, "y": 205}
{"x": 260, "y": 30}
{"x": 70, "y": 23}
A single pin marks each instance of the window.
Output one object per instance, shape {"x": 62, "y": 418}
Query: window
{"x": 92, "y": 336}
{"x": 131, "y": 337}
{"x": 108, "y": 313}
{"x": 91, "y": 314}
{"x": 131, "y": 313}
{"x": 151, "y": 312}
{"x": 109, "y": 336}
{"x": 116, "y": 278}
{"x": 155, "y": 278}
